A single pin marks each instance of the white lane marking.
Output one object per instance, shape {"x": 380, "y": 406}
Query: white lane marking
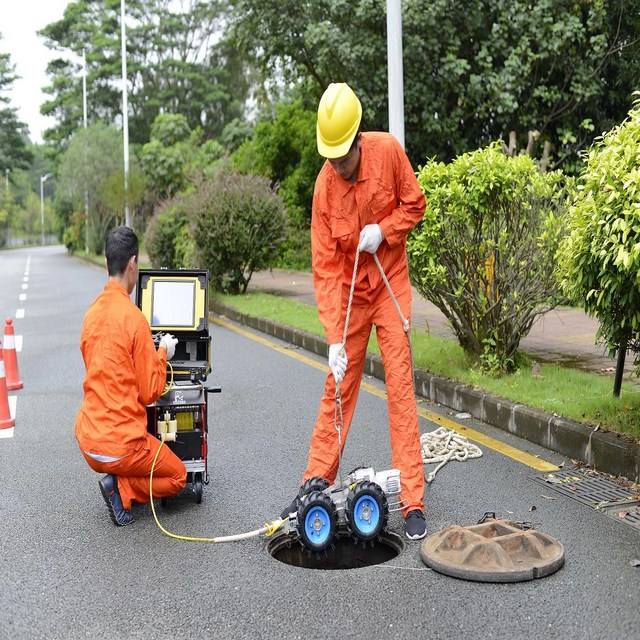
{"x": 22, "y": 297}
{"x": 18, "y": 343}
{"x": 25, "y": 279}
{"x": 6, "y": 433}
{"x": 20, "y": 313}
{"x": 13, "y": 403}
{"x": 25, "y": 287}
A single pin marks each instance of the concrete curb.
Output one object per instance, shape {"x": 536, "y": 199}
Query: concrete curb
{"x": 606, "y": 451}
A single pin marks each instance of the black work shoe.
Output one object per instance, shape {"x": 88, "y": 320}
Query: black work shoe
{"x": 109, "y": 489}
{"x": 415, "y": 526}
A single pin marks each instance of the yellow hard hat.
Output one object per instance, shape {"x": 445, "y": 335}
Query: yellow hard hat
{"x": 339, "y": 115}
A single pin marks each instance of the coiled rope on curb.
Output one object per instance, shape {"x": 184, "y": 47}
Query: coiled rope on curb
{"x": 443, "y": 445}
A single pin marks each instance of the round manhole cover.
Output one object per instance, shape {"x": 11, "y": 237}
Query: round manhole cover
{"x": 345, "y": 553}
{"x": 494, "y": 551}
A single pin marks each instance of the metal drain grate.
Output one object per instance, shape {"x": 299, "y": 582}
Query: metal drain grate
{"x": 583, "y": 486}
{"x": 629, "y": 514}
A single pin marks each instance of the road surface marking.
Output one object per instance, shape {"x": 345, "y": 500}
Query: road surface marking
{"x": 25, "y": 279}
{"x": 18, "y": 343}
{"x": 20, "y": 313}
{"x": 22, "y": 297}
{"x": 25, "y": 287}
{"x": 476, "y": 436}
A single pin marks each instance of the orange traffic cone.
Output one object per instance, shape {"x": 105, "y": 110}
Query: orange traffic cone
{"x": 11, "y": 357}
{"x": 6, "y": 422}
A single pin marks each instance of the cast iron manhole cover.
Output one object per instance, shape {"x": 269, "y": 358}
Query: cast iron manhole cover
{"x": 494, "y": 551}
{"x": 345, "y": 553}
{"x": 585, "y": 487}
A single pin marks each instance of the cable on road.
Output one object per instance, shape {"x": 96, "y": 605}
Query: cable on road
{"x": 268, "y": 530}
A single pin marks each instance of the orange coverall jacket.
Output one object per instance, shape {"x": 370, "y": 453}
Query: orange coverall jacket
{"x": 387, "y": 193}
{"x": 124, "y": 374}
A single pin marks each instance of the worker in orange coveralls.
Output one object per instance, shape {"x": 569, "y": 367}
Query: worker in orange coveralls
{"x": 124, "y": 373}
{"x": 367, "y": 196}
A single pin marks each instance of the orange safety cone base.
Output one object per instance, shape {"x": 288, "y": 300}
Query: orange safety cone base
{"x": 12, "y": 386}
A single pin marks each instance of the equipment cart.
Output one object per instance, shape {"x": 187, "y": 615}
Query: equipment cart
{"x": 176, "y": 302}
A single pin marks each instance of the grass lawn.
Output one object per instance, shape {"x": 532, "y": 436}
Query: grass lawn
{"x": 572, "y": 393}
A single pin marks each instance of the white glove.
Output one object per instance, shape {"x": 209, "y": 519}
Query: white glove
{"x": 169, "y": 343}
{"x": 337, "y": 361}
{"x": 370, "y": 238}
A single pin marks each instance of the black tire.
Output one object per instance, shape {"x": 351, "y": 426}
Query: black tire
{"x": 318, "y": 533}
{"x": 197, "y": 491}
{"x": 370, "y": 497}
{"x": 313, "y": 484}
{"x": 197, "y": 487}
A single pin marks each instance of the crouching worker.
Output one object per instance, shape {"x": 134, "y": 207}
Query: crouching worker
{"x": 124, "y": 373}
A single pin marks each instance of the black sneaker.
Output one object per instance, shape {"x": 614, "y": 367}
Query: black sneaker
{"x": 109, "y": 489}
{"x": 415, "y": 526}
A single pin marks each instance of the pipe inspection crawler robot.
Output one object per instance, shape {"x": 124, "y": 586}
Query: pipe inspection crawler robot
{"x": 356, "y": 506}
{"x": 175, "y": 301}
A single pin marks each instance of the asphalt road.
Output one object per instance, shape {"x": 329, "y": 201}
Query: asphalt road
{"x": 67, "y": 572}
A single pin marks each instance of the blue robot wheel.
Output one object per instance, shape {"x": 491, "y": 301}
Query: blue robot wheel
{"x": 317, "y": 518}
{"x": 367, "y": 510}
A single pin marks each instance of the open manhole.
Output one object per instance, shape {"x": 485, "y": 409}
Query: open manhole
{"x": 345, "y": 553}
{"x": 493, "y": 551}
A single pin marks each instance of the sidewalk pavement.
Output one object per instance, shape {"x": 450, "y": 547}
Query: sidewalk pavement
{"x": 565, "y": 335}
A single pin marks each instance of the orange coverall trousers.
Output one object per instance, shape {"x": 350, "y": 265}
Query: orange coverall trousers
{"x": 401, "y": 402}
{"x": 133, "y": 469}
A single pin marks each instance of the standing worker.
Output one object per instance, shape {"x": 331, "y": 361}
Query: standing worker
{"x": 366, "y": 197}
{"x": 124, "y": 374}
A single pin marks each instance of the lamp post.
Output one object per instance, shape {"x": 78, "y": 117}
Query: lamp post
{"x": 7, "y": 171}
{"x": 125, "y": 114}
{"x": 394, "y": 69}
{"x": 84, "y": 117}
{"x": 43, "y": 179}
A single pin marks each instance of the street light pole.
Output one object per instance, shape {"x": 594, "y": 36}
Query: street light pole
{"x": 43, "y": 179}
{"x": 6, "y": 180}
{"x": 125, "y": 115}
{"x": 84, "y": 117}
{"x": 394, "y": 69}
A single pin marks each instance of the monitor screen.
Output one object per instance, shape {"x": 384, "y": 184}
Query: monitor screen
{"x": 173, "y": 303}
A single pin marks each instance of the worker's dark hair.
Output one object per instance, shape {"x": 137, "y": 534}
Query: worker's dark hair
{"x": 121, "y": 244}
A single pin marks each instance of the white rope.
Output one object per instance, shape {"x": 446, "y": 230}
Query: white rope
{"x": 443, "y": 445}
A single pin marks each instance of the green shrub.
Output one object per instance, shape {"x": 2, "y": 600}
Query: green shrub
{"x": 485, "y": 251}
{"x": 238, "y": 223}
{"x": 73, "y": 236}
{"x": 600, "y": 260}
{"x": 162, "y": 232}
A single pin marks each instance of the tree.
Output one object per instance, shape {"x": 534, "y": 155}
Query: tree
{"x": 600, "y": 259}
{"x": 473, "y": 71}
{"x": 14, "y": 153}
{"x": 177, "y": 62}
{"x": 283, "y": 149}
{"x": 92, "y": 166}
{"x": 485, "y": 252}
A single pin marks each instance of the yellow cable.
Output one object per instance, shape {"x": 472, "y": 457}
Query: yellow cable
{"x": 168, "y": 385}
{"x": 269, "y": 529}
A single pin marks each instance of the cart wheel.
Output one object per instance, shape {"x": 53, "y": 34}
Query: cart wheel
{"x": 367, "y": 510}
{"x": 313, "y": 484}
{"x": 197, "y": 486}
{"x": 197, "y": 490}
{"x": 317, "y": 517}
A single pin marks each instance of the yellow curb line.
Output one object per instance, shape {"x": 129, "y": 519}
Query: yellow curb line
{"x": 476, "y": 436}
